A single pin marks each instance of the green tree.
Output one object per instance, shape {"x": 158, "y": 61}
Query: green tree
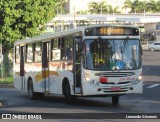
{"x": 142, "y": 7}
{"x": 127, "y": 4}
{"x": 60, "y": 7}
{"x": 136, "y": 6}
{"x": 20, "y": 19}
{"x": 98, "y": 7}
{"x": 153, "y": 6}
{"x": 102, "y": 8}
{"x": 82, "y": 12}
{"x": 113, "y": 9}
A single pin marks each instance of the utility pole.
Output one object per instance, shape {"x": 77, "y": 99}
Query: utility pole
{"x": 144, "y": 12}
{"x": 61, "y": 15}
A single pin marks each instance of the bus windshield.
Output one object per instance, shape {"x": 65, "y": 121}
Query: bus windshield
{"x": 112, "y": 54}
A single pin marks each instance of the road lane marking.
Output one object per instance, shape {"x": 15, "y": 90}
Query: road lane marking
{"x": 154, "y": 85}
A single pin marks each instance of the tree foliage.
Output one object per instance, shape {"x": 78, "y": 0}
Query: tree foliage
{"x": 60, "y": 7}
{"x": 82, "y": 12}
{"x": 112, "y": 9}
{"x": 102, "y": 8}
{"x": 22, "y": 18}
{"x": 141, "y": 6}
{"x": 97, "y": 7}
{"x": 153, "y": 6}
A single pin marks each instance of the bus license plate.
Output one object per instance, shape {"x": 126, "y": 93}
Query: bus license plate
{"x": 115, "y": 89}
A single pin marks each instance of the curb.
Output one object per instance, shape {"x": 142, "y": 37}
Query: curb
{"x": 6, "y": 86}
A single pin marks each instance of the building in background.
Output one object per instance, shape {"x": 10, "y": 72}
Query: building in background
{"x": 152, "y": 31}
{"x": 148, "y": 22}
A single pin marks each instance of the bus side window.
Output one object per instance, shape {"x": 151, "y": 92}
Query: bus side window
{"x": 67, "y": 43}
{"x": 38, "y": 52}
{"x": 17, "y": 55}
{"x": 29, "y": 53}
{"x": 56, "y": 52}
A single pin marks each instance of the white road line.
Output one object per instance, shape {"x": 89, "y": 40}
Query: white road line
{"x": 154, "y": 85}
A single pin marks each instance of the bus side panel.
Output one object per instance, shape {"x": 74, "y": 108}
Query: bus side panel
{"x": 17, "y": 74}
{"x": 59, "y": 71}
{"x": 17, "y": 77}
{"x": 38, "y": 81}
{"x": 28, "y": 74}
{"x": 34, "y": 71}
{"x": 54, "y": 78}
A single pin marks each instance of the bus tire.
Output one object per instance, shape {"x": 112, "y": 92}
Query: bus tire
{"x": 115, "y": 100}
{"x": 69, "y": 98}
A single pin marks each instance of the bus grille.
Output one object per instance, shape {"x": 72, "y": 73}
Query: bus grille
{"x": 123, "y": 89}
{"x": 115, "y": 74}
{"x": 112, "y": 83}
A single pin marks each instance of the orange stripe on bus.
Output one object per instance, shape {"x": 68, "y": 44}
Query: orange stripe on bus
{"x": 45, "y": 74}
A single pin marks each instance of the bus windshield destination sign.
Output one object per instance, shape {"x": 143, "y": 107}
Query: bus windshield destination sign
{"x": 109, "y": 31}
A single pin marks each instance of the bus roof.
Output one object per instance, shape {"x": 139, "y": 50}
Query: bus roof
{"x": 48, "y": 36}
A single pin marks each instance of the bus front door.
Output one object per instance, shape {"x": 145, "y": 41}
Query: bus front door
{"x": 45, "y": 66}
{"x": 22, "y": 67}
{"x": 77, "y": 66}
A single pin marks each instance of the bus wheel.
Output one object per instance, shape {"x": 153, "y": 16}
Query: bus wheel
{"x": 34, "y": 95}
{"x": 115, "y": 100}
{"x": 69, "y": 98}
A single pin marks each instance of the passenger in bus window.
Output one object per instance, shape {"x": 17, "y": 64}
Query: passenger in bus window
{"x": 117, "y": 55}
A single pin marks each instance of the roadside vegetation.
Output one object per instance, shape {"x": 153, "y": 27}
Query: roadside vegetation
{"x": 21, "y": 19}
{"x": 137, "y": 6}
{"x": 134, "y": 6}
{"x": 8, "y": 80}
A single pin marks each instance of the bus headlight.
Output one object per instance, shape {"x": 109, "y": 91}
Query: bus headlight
{"x": 90, "y": 79}
{"x": 87, "y": 76}
{"x": 140, "y": 77}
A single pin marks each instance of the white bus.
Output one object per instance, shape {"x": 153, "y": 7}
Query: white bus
{"x": 98, "y": 60}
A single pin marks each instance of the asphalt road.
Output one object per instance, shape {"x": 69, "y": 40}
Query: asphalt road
{"x": 151, "y": 66}
{"x": 16, "y": 101}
